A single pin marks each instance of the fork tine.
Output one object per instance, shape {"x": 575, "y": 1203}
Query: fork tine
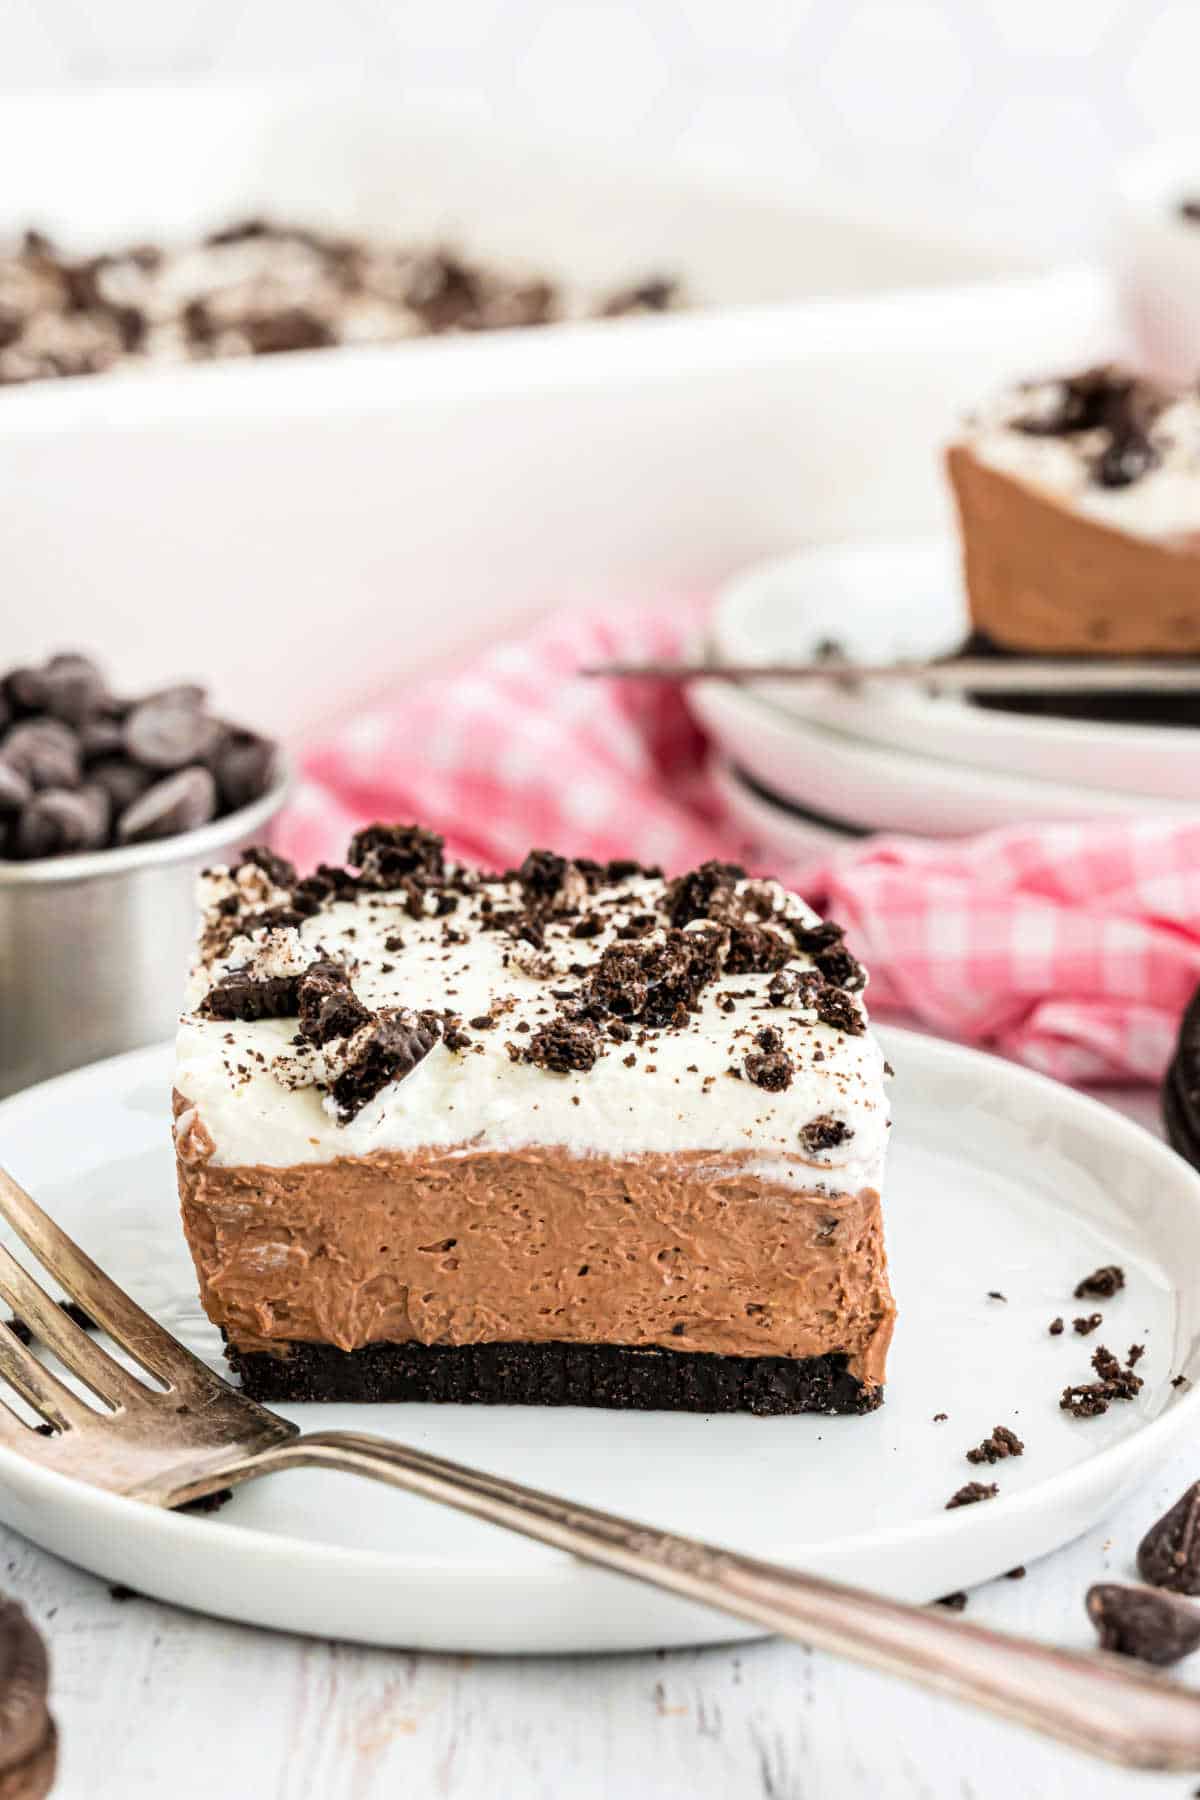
{"x": 35, "y": 1384}
{"x": 69, "y": 1342}
{"x": 109, "y": 1305}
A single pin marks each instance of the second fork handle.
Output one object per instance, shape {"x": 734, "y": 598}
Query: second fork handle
{"x": 1095, "y": 1703}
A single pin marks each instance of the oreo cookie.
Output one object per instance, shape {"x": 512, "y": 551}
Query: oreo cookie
{"x": 1181, "y": 1087}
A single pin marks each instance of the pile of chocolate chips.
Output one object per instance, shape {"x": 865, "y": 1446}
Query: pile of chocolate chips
{"x": 81, "y": 769}
{"x": 256, "y": 288}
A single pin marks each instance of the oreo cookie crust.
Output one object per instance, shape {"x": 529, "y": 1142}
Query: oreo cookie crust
{"x": 609, "y": 1375}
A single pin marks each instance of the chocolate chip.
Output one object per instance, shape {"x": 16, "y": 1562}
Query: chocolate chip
{"x": 121, "y": 780}
{"x": 15, "y": 791}
{"x": 1169, "y": 1554}
{"x": 182, "y": 802}
{"x": 1143, "y": 1622}
{"x": 60, "y": 821}
{"x": 45, "y": 752}
{"x": 1101, "y": 1283}
{"x": 245, "y": 767}
{"x": 101, "y": 736}
{"x": 72, "y": 688}
{"x": 169, "y": 733}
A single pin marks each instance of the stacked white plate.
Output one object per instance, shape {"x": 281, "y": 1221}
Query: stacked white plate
{"x": 804, "y": 767}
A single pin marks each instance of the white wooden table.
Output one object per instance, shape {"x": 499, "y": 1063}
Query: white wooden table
{"x": 152, "y": 1702}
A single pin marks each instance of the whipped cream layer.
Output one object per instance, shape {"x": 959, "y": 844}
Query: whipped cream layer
{"x": 262, "y": 1095}
{"x": 1031, "y": 434}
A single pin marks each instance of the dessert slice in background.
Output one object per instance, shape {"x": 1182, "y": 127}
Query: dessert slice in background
{"x": 576, "y": 1134}
{"x": 1079, "y": 504}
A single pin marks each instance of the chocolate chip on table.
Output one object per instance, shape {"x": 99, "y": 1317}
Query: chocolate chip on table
{"x": 181, "y": 802}
{"x": 170, "y": 733}
{"x": 1155, "y": 1627}
{"x": 1169, "y": 1554}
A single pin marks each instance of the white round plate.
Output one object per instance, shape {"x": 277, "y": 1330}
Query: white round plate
{"x": 881, "y": 601}
{"x": 768, "y": 826}
{"x": 1002, "y": 1182}
{"x": 878, "y": 788}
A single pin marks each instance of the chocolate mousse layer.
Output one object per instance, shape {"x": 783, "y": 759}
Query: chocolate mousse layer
{"x": 1042, "y": 576}
{"x": 689, "y": 1253}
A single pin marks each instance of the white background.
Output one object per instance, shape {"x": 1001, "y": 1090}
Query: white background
{"x": 1016, "y": 109}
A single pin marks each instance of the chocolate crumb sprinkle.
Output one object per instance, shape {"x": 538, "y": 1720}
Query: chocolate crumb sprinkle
{"x": 1002, "y": 1443}
{"x": 1056, "y": 1327}
{"x": 1084, "y": 1327}
{"x": 971, "y": 1493}
{"x": 1101, "y": 1284}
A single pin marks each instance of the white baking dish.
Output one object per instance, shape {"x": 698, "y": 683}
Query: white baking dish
{"x": 315, "y": 524}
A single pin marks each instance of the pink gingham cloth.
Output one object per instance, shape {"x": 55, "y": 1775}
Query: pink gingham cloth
{"x": 1073, "y": 948}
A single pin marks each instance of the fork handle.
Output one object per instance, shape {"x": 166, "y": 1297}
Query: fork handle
{"x": 1094, "y": 1702}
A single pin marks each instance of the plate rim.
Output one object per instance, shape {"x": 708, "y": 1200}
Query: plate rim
{"x": 732, "y": 595}
{"x": 1145, "y": 1443}
{"x": 873, "y": 759}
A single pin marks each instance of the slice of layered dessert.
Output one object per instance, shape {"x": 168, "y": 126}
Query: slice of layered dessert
{"x": 573, "y": 1135}
{"x": 1079, "y": 502}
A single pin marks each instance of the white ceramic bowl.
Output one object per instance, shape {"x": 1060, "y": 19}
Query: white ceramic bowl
{"x": 1157, "y": 254}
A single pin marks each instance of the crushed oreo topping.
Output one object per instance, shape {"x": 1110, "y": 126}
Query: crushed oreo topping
{"x": 242, "y": 995}
{"x": 1085, "y": 1326}
{"x": 387, "y": 856}
{"x": 1119, "y": 408}
{"x": 327, "y": 1004}
{"x": 388, "y": 1048}
{"x": 825, "y": 1133}
{"x": 769, "y": 1066}
{"x": 563, "y": 1046}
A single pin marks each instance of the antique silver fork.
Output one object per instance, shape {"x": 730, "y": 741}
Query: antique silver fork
{"x": 167, "y": 1445}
